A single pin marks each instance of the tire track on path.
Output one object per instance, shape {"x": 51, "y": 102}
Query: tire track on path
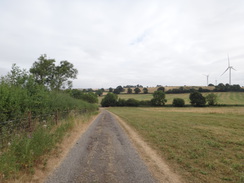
{"x": 102, "y": 154}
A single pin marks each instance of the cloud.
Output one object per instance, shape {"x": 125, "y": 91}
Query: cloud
{"x": 127, "y": 42}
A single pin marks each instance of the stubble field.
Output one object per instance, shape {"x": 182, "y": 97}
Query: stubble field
{"x": 201, "y": 144}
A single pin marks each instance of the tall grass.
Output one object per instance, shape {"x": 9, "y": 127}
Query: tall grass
{"x": 25, "y": 151}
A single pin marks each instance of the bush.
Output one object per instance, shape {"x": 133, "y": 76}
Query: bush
{"x": 137, "y": 90}
{"x": 109, "y": 100}
{"x": 145, "y": 90}
{"x": 197, "y": 99}
{"x": 89, "y": 97}
{"x": 212, "y": 99}
{"x": 132, "y": 102}
{"x": 121, "y": 102}
{"x": 158, "y": 98}
{"x": 161, "y": 89}
{"x": 145, "y": 103}
{"x": 178, "y": 102}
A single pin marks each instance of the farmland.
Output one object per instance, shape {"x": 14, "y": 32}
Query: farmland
{"x": 201, "y": 144}
{"x": 227, "y": 98}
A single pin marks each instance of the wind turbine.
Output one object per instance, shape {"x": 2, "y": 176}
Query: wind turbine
{"x": 229, "y": 68}
{"x": 207, "y": 77}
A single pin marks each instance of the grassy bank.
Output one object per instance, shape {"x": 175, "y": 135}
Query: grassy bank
{"x": 26, "y": 151}
{"x": 203, "y": 144}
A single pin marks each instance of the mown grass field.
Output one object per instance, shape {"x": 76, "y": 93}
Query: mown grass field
{"x": 202, "y": 144}
{"x": 228, "y": 98}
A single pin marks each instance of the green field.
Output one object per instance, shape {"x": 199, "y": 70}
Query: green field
{"x": 228, "y": 98}
{"x": 201, "y": 144}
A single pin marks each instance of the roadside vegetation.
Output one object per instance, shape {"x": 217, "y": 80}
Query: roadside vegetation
{"x": 202, "y": 144}
{"x": 37, "y": 109}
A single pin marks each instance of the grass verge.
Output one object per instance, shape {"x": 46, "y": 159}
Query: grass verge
{"x": 27, "y": 151}
{"x": 202, "y": 144}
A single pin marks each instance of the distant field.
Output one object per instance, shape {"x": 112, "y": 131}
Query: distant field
{"x": 202, "y": 144}
{"x": 230, "y": 98}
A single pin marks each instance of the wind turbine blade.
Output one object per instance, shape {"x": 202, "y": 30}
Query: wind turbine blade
{"x": 225, "y": 71}
{"x": 233, "y": 68}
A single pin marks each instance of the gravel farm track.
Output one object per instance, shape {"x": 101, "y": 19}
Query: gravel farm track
{"x": 106, "y": 153}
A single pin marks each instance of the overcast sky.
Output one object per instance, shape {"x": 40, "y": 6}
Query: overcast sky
{"x": 127, "y": 42}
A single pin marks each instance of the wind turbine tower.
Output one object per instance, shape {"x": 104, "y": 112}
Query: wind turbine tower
{"x": 229, "y": 68}
{"x": 207, "y": 78}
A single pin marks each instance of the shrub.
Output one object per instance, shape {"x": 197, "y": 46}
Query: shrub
{"x": 89, "y": 97}
{"x": 121, "y": 102}
{"x": 178, "y": 102}
{"x": 137, "y": 90}
{"x": 212, "y": 99}
{"x": 158, "y": 98}
{"x": 145, "y": 103}
{"x": 145, "y": 90}
{"x": 161, "y": 89}
{"x": 129, "y": 91}
{"x": 109, "y": 100}
{"x": 197, "y": 99}
{"x": 132, "y": 102}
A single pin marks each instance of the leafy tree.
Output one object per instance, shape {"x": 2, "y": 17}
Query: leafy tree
{"x": 99, "y": 92}
{"x": 158, "y": 98}
{"x": 116, "y": 91}
{"x": 145, "y": 90}
{"x": 120, "y": 89}
{"x": 161, "y": 89}
{"x": 46, "y": 73}
{"x": 197, "y": 99}
{"x": 89, "y": 97}
{"x": 86, "y": 96}
{"x": 178, "y": 102}
{"x": 17, "y": 76}
{"x": 212, "y": 99}
{"x": 75, "y": 93}
{"x": 137, "y": 90}
{"x": 110, "y": 90}
{"x": 109, "y": 100}
{"x": 89, "y": 90}
{"x": 129, "y": 91}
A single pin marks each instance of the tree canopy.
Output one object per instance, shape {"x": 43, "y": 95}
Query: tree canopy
{"x": 109, "y": 100}
{"x": 47, "y": 73}
{"x": 158, "y": 98}
{"x": 137, "y": 90}
{"x": 197, "y": 99}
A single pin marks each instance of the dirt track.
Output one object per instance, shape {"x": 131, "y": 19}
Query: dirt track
{"x": 104, "y": 153}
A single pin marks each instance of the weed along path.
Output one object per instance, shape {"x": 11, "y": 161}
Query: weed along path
{"x": 104, "y": 153}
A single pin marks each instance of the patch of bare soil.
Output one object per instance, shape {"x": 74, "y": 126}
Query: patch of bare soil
{"x": 55, "y": 157}
{"x": 158, "y": 167}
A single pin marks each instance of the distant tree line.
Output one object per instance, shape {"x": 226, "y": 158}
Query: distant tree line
{"x": 159, "y": 99}
{"x": 219, "y": 88}
{"x": 226, "y": 88}
{"x": 111, "y": 99}
{"x": 130, "y": 89}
